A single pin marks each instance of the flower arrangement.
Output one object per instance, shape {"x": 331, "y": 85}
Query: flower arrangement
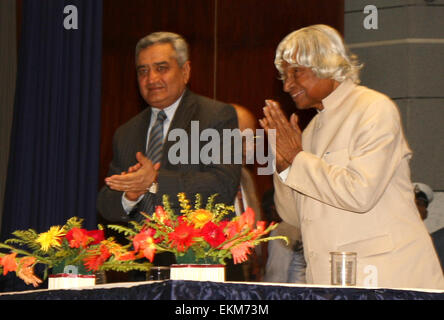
{"x": 65, "y": 245}
{"x": 197, "y": 235}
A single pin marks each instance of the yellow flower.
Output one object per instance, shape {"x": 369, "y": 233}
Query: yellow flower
{"x": 200, "y": 217}
{"x": 51, "y": 238}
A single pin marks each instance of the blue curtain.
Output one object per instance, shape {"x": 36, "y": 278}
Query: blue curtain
{"x": 54, "y": 153}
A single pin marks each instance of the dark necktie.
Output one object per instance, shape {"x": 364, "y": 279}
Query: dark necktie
{"x": 154, "y": 153}
{"x": 154, "y": 150}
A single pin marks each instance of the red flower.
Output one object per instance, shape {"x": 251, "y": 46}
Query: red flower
{"x": 97, "y": 235}
{"x": 183, "y": 236}
{"x": 213, "y": 234}
{"x": 81, "y": 238}
{"x": 144, "y": 243}
{"x": 94, "y": 261}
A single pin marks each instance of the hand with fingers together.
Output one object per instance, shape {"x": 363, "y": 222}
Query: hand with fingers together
{"x": 288, "y": 134}
{"x": 137, "y": 180}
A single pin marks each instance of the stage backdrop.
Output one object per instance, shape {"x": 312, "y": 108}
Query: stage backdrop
{"x": 232, "y": 52}
{"x": 55, "y": 137}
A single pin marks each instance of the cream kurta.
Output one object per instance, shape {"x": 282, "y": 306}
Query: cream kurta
{"x": 350, "y": 190}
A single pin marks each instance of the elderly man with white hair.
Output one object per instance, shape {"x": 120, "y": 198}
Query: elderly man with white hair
{"x": 345, "y": 181}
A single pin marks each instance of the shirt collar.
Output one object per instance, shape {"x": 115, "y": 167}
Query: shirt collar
{"x": 169, "y": 111}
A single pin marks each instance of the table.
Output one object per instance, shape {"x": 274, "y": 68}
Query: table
{"x": 234, "y": 291}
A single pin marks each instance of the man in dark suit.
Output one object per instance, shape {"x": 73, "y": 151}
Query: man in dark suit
{"x": 138, "y": 178}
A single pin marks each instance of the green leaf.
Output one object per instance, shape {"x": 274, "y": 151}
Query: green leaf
{"x": 72, "y": 223}
{"x": 121, "y": 229}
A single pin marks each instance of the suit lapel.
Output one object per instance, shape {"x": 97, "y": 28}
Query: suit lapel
{"x": 142, "y": 129}
{"x": 181, "y": 120}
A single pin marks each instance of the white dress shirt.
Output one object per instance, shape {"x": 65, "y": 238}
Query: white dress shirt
{"x": 128, "y": 205}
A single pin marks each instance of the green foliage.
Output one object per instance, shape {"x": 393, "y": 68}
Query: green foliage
{"x": 166, "y": 205}
{"x": 125, "y": 266}
{"x": 122, "y": 229}
{"x": 198, "y": 202}
{"x": 72, "y": 223}
{"x": 25, "y": 238}
{"x": 210, "y": 202}
{"x": 221, "y": 210}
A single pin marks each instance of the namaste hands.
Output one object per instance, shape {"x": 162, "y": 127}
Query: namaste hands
{"x": 136, "y": 181}
{"x": 288, "y": 134}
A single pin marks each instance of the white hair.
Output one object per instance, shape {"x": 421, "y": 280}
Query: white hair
{"x": 320, "y": 48}
{"x": 178, "y": 42}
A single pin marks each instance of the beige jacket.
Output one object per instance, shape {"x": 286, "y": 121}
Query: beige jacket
{"x": 350, "y": 190}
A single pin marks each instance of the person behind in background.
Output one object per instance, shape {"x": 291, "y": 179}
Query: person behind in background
{"x": 247, "y": 195}
{"x": 423, "y": 197}
{"x": 285, "y": 262}
{"x": 345, "y": 181}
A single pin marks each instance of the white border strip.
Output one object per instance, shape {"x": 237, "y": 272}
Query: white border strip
{"x": 395, "y": 42}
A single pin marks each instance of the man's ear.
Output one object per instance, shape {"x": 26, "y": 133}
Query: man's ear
{"x": 186, "y": 71}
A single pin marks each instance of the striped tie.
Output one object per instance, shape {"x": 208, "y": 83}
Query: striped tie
{"x": 154, "y": 153}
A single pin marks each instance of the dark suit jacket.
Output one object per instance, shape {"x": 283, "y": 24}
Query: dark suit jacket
{"x": 172, "y": 179}
{"x": 438, "y": 241}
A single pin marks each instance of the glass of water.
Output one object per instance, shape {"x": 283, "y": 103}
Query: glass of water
{"x": 343, "y": 268}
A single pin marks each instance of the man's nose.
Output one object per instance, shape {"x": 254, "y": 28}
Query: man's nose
{"x": 153, "y": 77}
{"x": 288, "y": 85}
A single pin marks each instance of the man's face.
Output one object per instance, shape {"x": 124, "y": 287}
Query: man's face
{"x": 304, "y": 87}
{"x": 161, "y": 79}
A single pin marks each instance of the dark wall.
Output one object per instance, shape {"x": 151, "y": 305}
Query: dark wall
{"x": 232, "y": 51}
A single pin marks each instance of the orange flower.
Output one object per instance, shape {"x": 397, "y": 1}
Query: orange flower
{"x": 149, "y": 249}
{"x": 127, "y": 256}
{"x": 9, "y": 263}
{"x": 200, "y": 217}
{"x": 113, "y": 247}
{"x": 144, "y": 243}
{"x": 26, "y": 271}
{"x": 161, "y": 215}
{"x": 260, "y": 229}
{"x": 95, "y": 261}
{"x": 246, "y": 220}
{"x": 241, "y": 251}
{"x": 118, "y": 251}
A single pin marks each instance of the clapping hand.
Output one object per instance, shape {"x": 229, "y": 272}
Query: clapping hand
{"x": 137, "y": 179}
{"x": 288, "y": 134}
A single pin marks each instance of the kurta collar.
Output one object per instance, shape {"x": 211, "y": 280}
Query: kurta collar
{"x": 334, "y": 99}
